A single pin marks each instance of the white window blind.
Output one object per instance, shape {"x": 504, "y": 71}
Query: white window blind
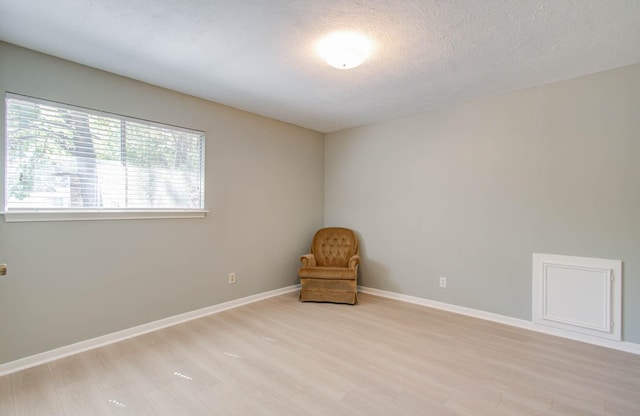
{"x": 62, "y": 157}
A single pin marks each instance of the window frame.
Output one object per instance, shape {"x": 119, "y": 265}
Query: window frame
{"x": 93, "y": 214}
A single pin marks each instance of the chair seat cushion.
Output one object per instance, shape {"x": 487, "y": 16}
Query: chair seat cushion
{"x": 328, "y": 273}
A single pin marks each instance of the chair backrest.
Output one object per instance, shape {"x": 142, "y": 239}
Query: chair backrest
{"x": 334, "y": 246}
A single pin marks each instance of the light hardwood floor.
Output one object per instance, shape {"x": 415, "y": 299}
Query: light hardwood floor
{"x": 380, "y": 357}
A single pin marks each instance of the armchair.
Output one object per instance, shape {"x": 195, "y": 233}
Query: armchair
{"x": 329, "y": 273}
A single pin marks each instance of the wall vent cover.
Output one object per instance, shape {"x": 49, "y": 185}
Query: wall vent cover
{"x": 578, "y": 294}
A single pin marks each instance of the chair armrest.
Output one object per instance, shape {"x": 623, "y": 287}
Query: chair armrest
{"x": 354, "y": 261}
{"x": 308, "y": 260}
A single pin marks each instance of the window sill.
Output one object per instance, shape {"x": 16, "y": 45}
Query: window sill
{"x": 49, "y": 216}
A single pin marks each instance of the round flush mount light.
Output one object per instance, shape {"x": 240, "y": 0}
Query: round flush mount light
{"x": 345, "y": 50}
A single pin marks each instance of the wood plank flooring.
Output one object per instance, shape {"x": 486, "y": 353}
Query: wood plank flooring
{"x": 380, "y": 357}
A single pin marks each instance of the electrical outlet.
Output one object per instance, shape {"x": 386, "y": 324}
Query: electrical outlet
{"x": 232, "y": 278}
{"x": 443, "y": 282}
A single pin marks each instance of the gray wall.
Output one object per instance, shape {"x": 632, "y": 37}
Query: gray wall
{"x": 471, "y": 192}
{"x": 468, "y": 193}
{"x": 73, "y": 281}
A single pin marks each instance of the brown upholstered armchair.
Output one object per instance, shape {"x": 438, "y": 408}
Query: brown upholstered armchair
{"x": 329, "y": 272}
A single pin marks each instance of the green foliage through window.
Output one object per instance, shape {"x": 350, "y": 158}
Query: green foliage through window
{"x": 71, "y": 158}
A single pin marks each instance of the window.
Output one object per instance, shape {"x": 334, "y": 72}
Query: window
{"x": 66, "y": 159}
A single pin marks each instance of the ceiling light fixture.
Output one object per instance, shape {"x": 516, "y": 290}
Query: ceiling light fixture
{"x": 345, "y": 50}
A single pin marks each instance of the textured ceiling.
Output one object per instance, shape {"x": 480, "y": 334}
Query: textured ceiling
{"x": 258, "y": 55}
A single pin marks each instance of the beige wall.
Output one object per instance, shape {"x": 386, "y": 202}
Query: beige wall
{"x": 471, "y": 192}
{"x": 73, "y": 281}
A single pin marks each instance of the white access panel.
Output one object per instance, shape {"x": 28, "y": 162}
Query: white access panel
{"x": 578, "y": 294}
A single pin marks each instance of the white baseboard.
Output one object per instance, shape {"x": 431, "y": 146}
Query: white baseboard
{"x": 507, "y": 320}
{"x": 55, "y": 354}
